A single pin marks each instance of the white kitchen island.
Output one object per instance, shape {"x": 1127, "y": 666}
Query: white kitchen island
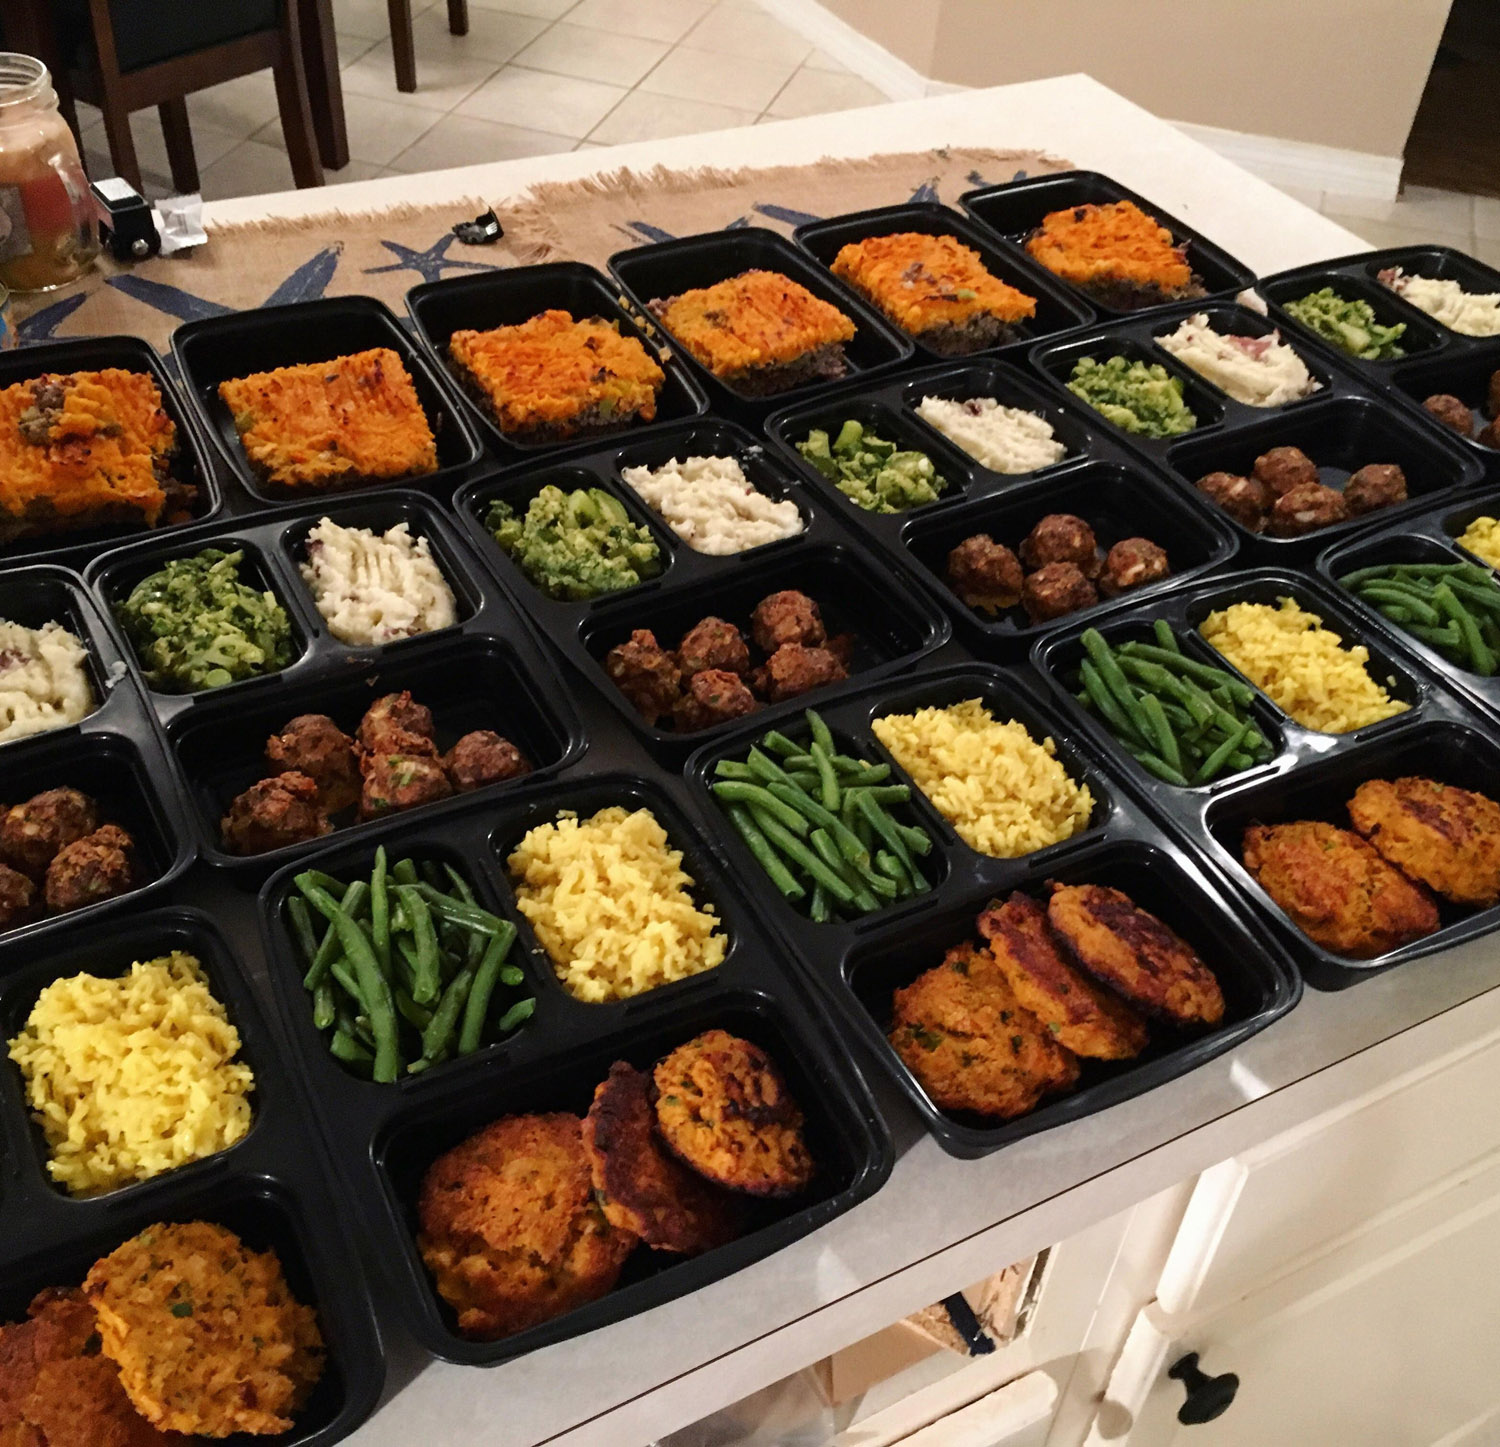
{"x": 940, "y": 1223}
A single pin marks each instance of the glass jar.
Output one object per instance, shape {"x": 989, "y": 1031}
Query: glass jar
{"x": 48, "y": 235}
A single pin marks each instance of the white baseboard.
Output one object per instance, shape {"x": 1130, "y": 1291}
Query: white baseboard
{"x": 866, "y": 58}
{"x": 1301, "y": 163}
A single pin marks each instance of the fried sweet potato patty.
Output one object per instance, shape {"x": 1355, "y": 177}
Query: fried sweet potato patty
{"x": 1085, "y": 1017}
{"x": 553, "y": 377}
{"x": 640, "y": 1186}
{"x": 206, "y": 1333}
{"x": 962, "y": 1032}
{"x": 1104, "y": 246}
{"x": 1135, "y": 954}
{"x": 510, "y": 1227}
{"x": 755, "y": 321}
{"x": 934, "y": 287}
{"x": 1447, "y": 838}
{"x": 333, "y": 424}
{"x": 83, "y": 449}
{"x": 1337, "y": 889}
{"x": 723, "y": 1107}
{"x": 57, "y": 1389}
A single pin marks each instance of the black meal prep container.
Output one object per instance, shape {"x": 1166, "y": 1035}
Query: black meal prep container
{"x": 1016, "y": 208}
{"x": 115, "y": 754}
{"x": 190, "y": 466}
{"x": 1302, "y": 781}
{"x": 486, "y": 671}
{"x": 216, "y": 349}
{"x": 481, "y": 301}
{"x": 1344, "y": 425}
{"x": 668, "y": 268}
{"x": 892, "y": 617}
{"x": 1116, "y": 493}
{"x": 858, "y": 965}
{"x": 1462, "y": 369}
{"x": 269, "y": 1188}
{"x": 383, "y": 1137}
{"x": 1430, "y": 537}
{"x": 1058, "y": 306}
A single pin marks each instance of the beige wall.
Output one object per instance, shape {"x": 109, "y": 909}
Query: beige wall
{"x": 1345, "y": 73}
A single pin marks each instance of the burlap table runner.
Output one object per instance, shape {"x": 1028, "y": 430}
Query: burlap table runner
{"x": 385, "y": 253}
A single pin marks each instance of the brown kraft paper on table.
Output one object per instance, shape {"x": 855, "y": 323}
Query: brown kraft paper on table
{"x": 385, "y": 253}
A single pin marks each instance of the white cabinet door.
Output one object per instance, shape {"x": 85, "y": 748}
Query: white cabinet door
{"x": 1392, "y": 1340}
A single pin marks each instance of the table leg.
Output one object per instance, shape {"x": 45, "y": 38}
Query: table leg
{"x": 325, "y": 91}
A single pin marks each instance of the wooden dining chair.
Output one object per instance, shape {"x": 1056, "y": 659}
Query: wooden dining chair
{"x": 403, "y": 41}
{"x": 132, "y": 56}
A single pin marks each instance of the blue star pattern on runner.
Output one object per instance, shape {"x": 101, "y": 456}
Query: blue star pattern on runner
{"x": 429, "y": 264}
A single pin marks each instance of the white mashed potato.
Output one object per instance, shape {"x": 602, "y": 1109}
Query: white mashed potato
{"x": 1470, "y": 313}
{"x": 375, "y": 587}
{"x": 44, "y": 681}
{"x": 1258, "y": 371}
{"x": 712, "y": 506}
{"x": 1003, "y": 439}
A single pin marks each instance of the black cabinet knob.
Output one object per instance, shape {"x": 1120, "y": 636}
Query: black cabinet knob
{"x": 1207, "y": 1397}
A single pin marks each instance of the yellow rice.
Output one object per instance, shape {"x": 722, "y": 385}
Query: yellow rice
{"x": 1303, "y": 667}
{"x": 1482, "y": 538}
{"x": 1004, "y": 793}
{"x": 611, "y": 904}
{"x": 132, "y": 1076}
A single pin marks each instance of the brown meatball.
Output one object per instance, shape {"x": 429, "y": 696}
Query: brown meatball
{"x": 1132, "y": 563}
{"x": 1452, "y": 412}
{"x": 1306, "y": 509}
{"x": 985, "y": 574}
{"x": 1379, "y": 485}
{"x": 90, "y": 869}
{"x": 713, "y": 644}
{"x": 482, "y": 758}
{"x": 1492, "y": 396}
{"x": 17, "y": 898}
{"x": 1055, "y": 591}
{"x": 1062, "y": 538}
{"x": 287, "y": 809}
{"x": 33, "y": 832}
{"x": 787, "y": 617}
{"x": 401, "y": 781}
{"x": 397, "y": 724}
{"x": 712, "y": 696}
{"x": 314, "y": 745}
{"x": 646, "y": 674}
{"x": 1246, "y": 499}
{"x": 794, "y": 669}
{"x": 1489, "y": 435}
{"x": 1283, "y": 468}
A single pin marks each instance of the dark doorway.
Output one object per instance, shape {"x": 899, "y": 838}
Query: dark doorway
{"x": 1455, "y": 140}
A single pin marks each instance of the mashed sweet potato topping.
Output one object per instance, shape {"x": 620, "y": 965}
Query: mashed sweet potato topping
{"x": 333, "y": 424}
{"x": 81, "y": 449}
{"x": 552, "y": 373}
{"x": 1113, "y": 243}
{"x": 756, "y": 319}
{"x": 921, "y": 281}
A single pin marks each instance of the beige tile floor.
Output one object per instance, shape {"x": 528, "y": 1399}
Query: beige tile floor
{"x": 534, "y": 77}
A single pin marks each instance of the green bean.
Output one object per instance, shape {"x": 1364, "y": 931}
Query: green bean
{"x": 729, "y": 769}
{"x": 917, "y": 840}
{"x": 518, "y": 1013}
{"x": 440, "y": 1031}
{"x": 779, "y": 743}
{"x": 889, "y": 793}
{"x": 404, "y": 871}
{"x": 819, "y": 911}
{"x": 469, "y": 916}
{"x": 821, "y": 734}
{"x": 410, "y": 1011}
{"x": 869, "y": 773}
{"x": 345, "y": 1047}
{"x": 765, "y": 855}
{"x": 1165, "y": 738}
{"x": 1105, "y": 703}
{"x": 1108, "y": 665}
{"x": 1407, "y": 598}
{"x": 380, "y": 912}
{"x": 1165, "y": 638}
{"x": 826, "y": 818}
{"x": 374, "y": 988}
{"x": 848, "y": 767}
{"x": 1157, "y": 766}
{"x": 428, "y": 980}
{"x": 892, "y": 868}
{"x": 733, "y": 792}
{"x": 808, "y": 783}
{"x": 460, "y": 885}
{"x": 795, "y": 850}
{"x": 1481, "y": 658}
{"x": 827, "y": 779}
{"x": 804, "y": 760}
{"x": 334, "y": 888}
{"x": 1486, "y": 596}
{"x": 1397, "y": 613}
{"x": 302, "y": 929}
{"x": 1191, "y": 668}
{"x": 885, "y": 827}
{"x": 1448, "y": 636}
{"x": 512, "y": 975}
{"x": 1213, "y": 765}
{"x": 765, "y": 768}
{"x": 486, "y": 976}
{"x": 323, "y": 1006}
{"x": 328, "y": 951}
{"x": 343, "y": 977}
